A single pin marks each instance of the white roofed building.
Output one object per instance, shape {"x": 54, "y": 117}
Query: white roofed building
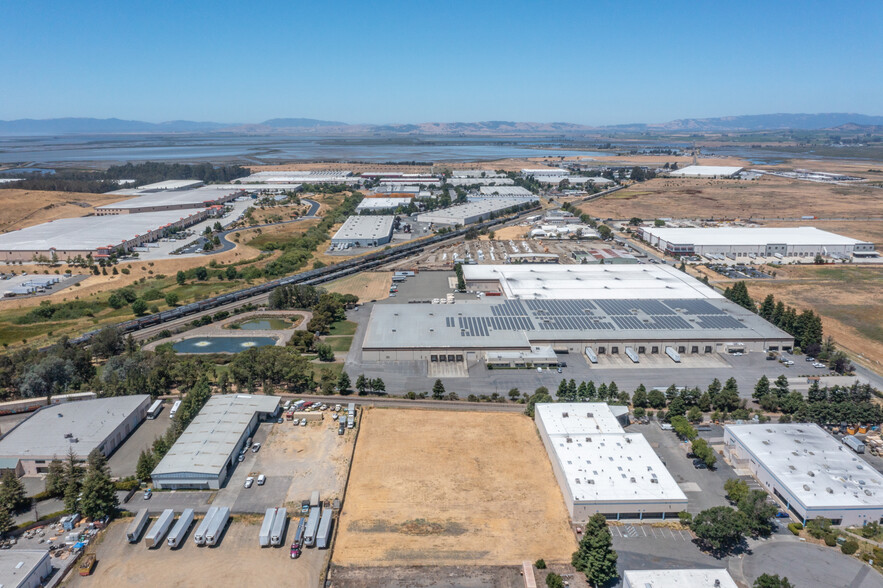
{"x": 381, "y": 204}
{"x": 706, "y": 171}
{"x": 365, "y": 231}
{"x": 689, "y": 578}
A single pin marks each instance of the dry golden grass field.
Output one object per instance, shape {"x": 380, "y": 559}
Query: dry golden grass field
{"x": 766, "y": 198}
{"x": 451, "y": 488}
{"x": 25, "y": 208}
{"x": 367, "y": 285}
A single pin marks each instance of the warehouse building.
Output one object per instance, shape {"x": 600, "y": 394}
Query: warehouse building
{"x": 602, "y": 469}
{"x": 477, "y": 173}
{"x": 512, "y": 192}
{"x": 51, "y": 432}
{"x": 706, "y": 171}
{"x": 382, "y": 204}
{"x": 204, "y": 197}
{"x": 205, "y": 454}
{"x": 695, "y": 578}
{"x": 24, "y": 568}
{"x": 740, "y": 242}
{"x": 809, "y": 471}
{"x": 364, "y": 231}
{"x": 168, "y": 185}
{"x": 600, "y": 310}
{"x": 479, "y": 182}
{"x": 98, "y": 236}
{"x": 301, "y": 177}
{"x": 471, "y": 212}
{"x": 544, "y": 172}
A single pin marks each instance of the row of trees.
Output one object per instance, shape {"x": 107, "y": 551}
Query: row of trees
{"x": 699, "y": 447}
{"x": 327, "y": 307}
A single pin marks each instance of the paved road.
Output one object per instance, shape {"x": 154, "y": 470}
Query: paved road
{"x": 226, "y": 244}
{"x": 807, "y": 565}
{"x": 394, "y": 402}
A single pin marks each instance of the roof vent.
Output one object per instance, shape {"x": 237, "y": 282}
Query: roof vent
{"x": 590, "y": 481}
{"x": 828, "y": 490}
{"x": 806, "y": 487}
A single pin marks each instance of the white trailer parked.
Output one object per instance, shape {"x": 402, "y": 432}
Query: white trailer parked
{"x": 266, "y": 527}
{"x": 674, "y": 355}
{"x": 202, "y": 529}
{"x": 175, "y": 408}
{"x": 136, "y": 527}
{"x": 154, "y": 409}
{"x": 312, "y": 527}
{"x": 176, "y": 535}
{"x": 632, "y": 355}
{"x": 158, "y": 531}
{"x": 591, "y": 355}
{"x": 323, "y": 535}
{"x": 278, "y": 532}
{"x": 216, "y": 528}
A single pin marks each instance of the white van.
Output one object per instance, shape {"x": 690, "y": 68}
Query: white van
{"x": 261, "y": 479}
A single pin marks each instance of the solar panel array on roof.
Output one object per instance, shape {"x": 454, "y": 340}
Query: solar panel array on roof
{"x": 656, "y": 323}
{"x": 694, "y": 306}
{"x": 719, "y": 322}
{"x": 481, "y": 326}
{"x": 620, "y": 307}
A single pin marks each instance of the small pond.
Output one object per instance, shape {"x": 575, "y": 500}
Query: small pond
{"x": 264, "y": 324}
{"x": 221, "y": 344}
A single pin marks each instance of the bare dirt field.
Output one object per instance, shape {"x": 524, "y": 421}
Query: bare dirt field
{"x": 25, "y": 208}
{"x": 505, "y": 233}
{"x": 766, "y": 198}
{"x": 847, "y": 297}
{"x": 236, "y": 561}
{"x": 451, "y": 488}
{"x": 367, "y": 285}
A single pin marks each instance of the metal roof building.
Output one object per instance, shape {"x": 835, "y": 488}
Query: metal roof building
{"x": 97, "y": 235}
{"x": 49, "y": 433}
{"x": 24, "y": 568}
{"x": 706, "y": 171}
{"x": 301, "y": 177}
{"x": 691, "y": 578}
{"x": 377, "y": 204}
{"x": 204, "y": 455}
{"x": 364, "y": 231}
{"x": 471, "y": 212}
{"x": 809, "y": 470}
{"x": 506, "y": 192}
{"x": 472, "y": 181}
{"x": 601, "y": 468}
{"x": 170, "y": 185}
{"x": 744, "y": 241}
{"x": 172, "y": 200}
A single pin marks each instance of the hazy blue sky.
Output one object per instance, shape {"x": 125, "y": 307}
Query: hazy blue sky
{"x": 378, "y": 62}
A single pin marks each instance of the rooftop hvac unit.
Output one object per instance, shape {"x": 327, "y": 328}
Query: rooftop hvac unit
{"x": 569, "y": 440}
{"x": 828, "y": 490}
{"x": 628, "y": 440}
{"x": 590, "y": 481}
{"x": 564, "y": 415}
{"x": 632, "y": 480}
{"x": 654, "y": 481}
{"x": 806, "y": 487}
{"x": 811, "y": 474}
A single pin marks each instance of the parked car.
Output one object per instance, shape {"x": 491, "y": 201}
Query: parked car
{"x": 559, "y": 370}
{"x": 249, "y": 481}
{"x": 334, "y": 416}
{"x": 262, "y": 479}
{"x": 782, "y": 515}
{"x": 809, "y": 358}
{"x": 303, "y": 422}
{"x": 337, "y": 408}
{"x": 256, "y": 447}
{"x": 279, "y": 420}
{"x": 699, "y": 464}
{"x": 147, "y": 494}
{"x": 241, "y": 458}
{"x": 342, "y": 428}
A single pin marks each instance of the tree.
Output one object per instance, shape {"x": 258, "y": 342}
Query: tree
{"x": 772, "y": 581}
{"x": 12, "y": 494}
{"x": 639, "y": 398}
{"x": 55, "y": 478}
{"x": 595, "y": 556}
{"x": 438, "y": 390}
{"x": 6, "y": 522}
{"x": 762, "y": 388}
{"x": 99, "y": 495}
{"x": 325, "y": 353}
{"x": 115, "y": 300}
{"x": 728, "y": 398}
{"x": 738, "y": 293}
{"x": 171, "y": 299}
{"x": 553, "y": 580}
{"x": 180, "y": 278}
{"x": 758, "y": 512}
{"x": 703, "y": 451}
{"x": 736, "y": 490}
{"x": 362, "y": 384}
{"x": 781, "y": 386}
{"x": 343, "y": 383}
{"x": 656, "y": 399}
{"x": 146, "y": 464}
{"x": 767, "y": 307}
{"x": 694, "y": 415}
{"x": 514, "y": 394}
{"x": 139, "y": 307}
{"x": 377, "y": 385}
{"x": 201, "y": 273}
{"x": 719, "y": 528}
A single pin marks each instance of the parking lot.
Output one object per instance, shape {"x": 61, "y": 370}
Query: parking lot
{"x": 123, "y": 461}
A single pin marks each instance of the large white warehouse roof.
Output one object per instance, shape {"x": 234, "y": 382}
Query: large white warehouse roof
{"x": 706, "y": 171}
{"x": 749, "y": 236}
{"x": 597, "y": 282}
{"x": 692, "y": 578}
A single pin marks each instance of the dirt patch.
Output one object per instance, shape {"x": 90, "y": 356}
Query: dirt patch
{"x": 366, "y": 285}
{"x": 420, "y": 495}
{"x": 769, "y": 197}
{"x": 26, "y": 208}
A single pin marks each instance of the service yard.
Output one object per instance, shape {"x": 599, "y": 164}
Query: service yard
{"x": 442, "y": 488}
{"x": 237, "y": 560}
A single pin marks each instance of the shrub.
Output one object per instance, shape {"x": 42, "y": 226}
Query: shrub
{"x": 849, "y": 546}
{"x": 831, "y": 539}
{"x": 540, "y": 564}
{"x": 685, "y": 517}
{"x": 795, "y": 528}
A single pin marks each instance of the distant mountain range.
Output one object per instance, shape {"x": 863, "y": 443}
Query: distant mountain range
{"x": 746, "y": 123}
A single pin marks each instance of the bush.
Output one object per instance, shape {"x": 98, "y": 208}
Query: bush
{"x": 849, "y": 546}
{"x": 685, "y": 517}
{"x": 126, "y": 485}
{"x": 795, "y": 528}
{"x": 540, "y": 564}
{"x": 831, "y": 539}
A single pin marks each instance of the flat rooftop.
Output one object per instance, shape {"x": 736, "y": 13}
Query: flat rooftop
{"x": 88, "y": 232}
{"x": 171, "y": 185}
{"x": 206, "y": 195}
{"x": 90, "y": 422}
{"x": 477, "y": 207}
{"x": 17, "y": 564}
{"x": 812, "y": 465}
{"x": 294, "y": 177}
{"x": 679, "y": 578}
{"x": 707, "y": 170}
{"x": 383, "y": 203}
{"x": 612, "y": 466}
{"x": 519, "y": 324}
{"x": 209, "y": 440}
{"x": 365, "y": 227}
{"x": 592, "y": 282}
{"x": 507, "y": 190}
{"x": 749, "y": 236}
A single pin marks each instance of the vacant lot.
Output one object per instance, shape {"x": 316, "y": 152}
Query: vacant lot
{"x": 236, "y": 561}
{"x": 451, "y": 488}
{"x": 25, "y": 208}
{"x": 847, "y": 297}
{"x": 766, "y": 198}
{"x": 365, "y": 285}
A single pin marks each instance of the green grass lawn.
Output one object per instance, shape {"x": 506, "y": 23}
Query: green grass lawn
{"x": 317, "y": 368}
{"x": 341, "y": 343}
{"x": 343, "y": 328}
